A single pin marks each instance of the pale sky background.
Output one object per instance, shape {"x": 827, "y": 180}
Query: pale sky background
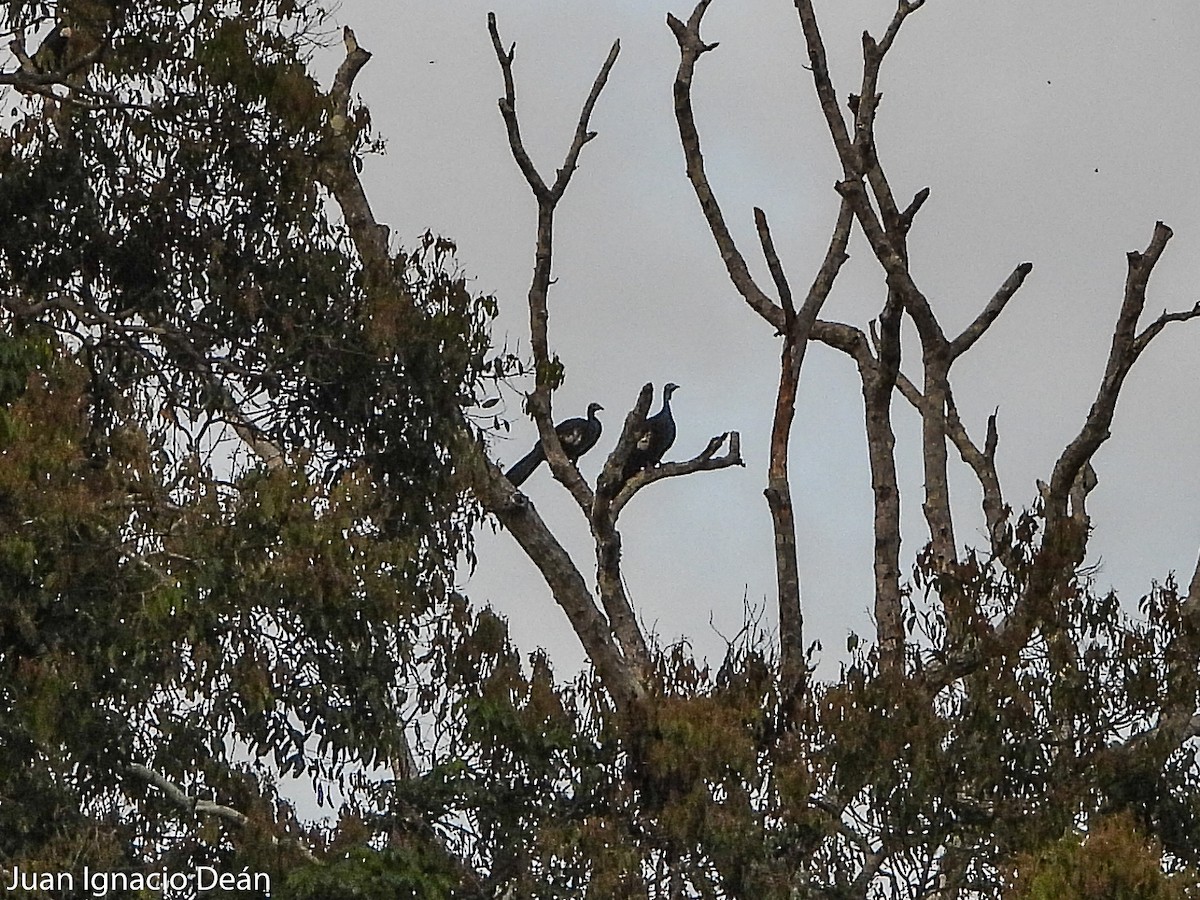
{"x": 1050, "y": 132}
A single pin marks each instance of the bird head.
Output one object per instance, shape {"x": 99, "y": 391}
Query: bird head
{"x": 593, "y": 408}
{"x": 668, "y": 389}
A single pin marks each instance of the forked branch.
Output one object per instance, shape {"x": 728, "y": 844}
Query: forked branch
{"x": 545, "y": 369}
{"x": 194, "y": 806}
{"x": 1127, "y": 346}
{"x": 705, "y": 461}
{"x": 795, "y": 327}
{"x": 691, "y": 47}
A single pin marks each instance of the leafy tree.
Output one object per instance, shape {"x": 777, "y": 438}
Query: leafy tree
{"x": 243, "y": 446}
{"x": 1112, "y": 860}
{"x": 183, "y": 622}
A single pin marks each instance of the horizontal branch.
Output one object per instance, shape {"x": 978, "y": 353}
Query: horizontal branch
{"x": 192, "y": 806}
{"x": 705, "y": 461}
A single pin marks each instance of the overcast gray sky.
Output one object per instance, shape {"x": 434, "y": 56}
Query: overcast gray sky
{"x": 1050, "y": 132}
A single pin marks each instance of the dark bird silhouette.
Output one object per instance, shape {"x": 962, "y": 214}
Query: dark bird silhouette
{"x": 577, "y": 437}
{"x": 654, "y": 439}
{"x": 52, "y": 53}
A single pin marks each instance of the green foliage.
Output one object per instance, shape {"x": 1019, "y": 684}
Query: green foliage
{"x": 172, "y": 260}
{"x": 709, "y": 784}
{"x": 365, "y": 874}
{"x": 20, "y": 355}
{"x": 1112, "y": 860}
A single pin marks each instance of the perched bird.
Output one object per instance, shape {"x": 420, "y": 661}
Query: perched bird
{"x": 655, "y": 438}
{"x": 577, "y": 437}
{"x": 52, "y": 53}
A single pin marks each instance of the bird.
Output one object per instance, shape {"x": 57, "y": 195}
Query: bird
{"x": 577, "y": 437}
{"x": 654, "y": 439}
{"x": 52, "y": 53}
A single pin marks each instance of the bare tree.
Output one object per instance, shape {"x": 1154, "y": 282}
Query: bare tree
{"x": 1051, "y": 571}
{"x": 1020, "y": 603}
{"x": 605, "y": 621}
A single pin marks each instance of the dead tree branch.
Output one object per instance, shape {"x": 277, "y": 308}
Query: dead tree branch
{"x": 794, "y": 326}
{"x": 886, "y": 232}
{"x": 991, "y": 311}
{"x": 626, "y": 663}
{"x": 547, "y": 197}
{"x": 566, "y": 583}
{"x": 1127, "y": 346}
{"x": 886, "y": 236}
{"x": 340, "y": 175}
{"x": 1064, "y": 498}
{"x": 691, "y": 48}
{"x": 602, "y": 518}
{"x": 705, "y": 461}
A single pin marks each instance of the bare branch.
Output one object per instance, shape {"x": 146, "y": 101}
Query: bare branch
{"x": 910, "y": 212}
{"x": 339, "y": 174}
{"x": 778, "y": 491}
{"x": 582, "y": 134}
{"x": 895, "y": 223}
{"x": 520, "y": 517}
{"x": 878, "y": 376}
{"x": 343, "y": 79}
{"x": 982, "y": 463}
{"x": 773, "y": 264}
{"x": 610, "y": 481}
{"x": 602, "y": 517}
{"x": 1161, "y": 322}
{"x": 690, "y": 50}
{"x": 991, "y": 312}
{"x": 625, "y": 669}
{"x": 886, "y": 234}
{"x": 846, "y": 338}
{"x": 508, "y": 112}
{"x": 794, "y": 328}
{"x": 1127, "y": 345}
{"x": 835, "y": 258}
{"x": 819, "y": 66}
{"x": 705, "y": 461}
{"x": 193, "y": 806}
{"x": 540, "y": 403}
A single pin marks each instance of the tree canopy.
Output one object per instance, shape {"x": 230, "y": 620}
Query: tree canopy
{"x": 244, "y": 440}
{"x": 181, "y": 286}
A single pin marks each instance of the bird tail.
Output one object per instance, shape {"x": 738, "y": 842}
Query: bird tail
{"x": 524, "y": 467}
